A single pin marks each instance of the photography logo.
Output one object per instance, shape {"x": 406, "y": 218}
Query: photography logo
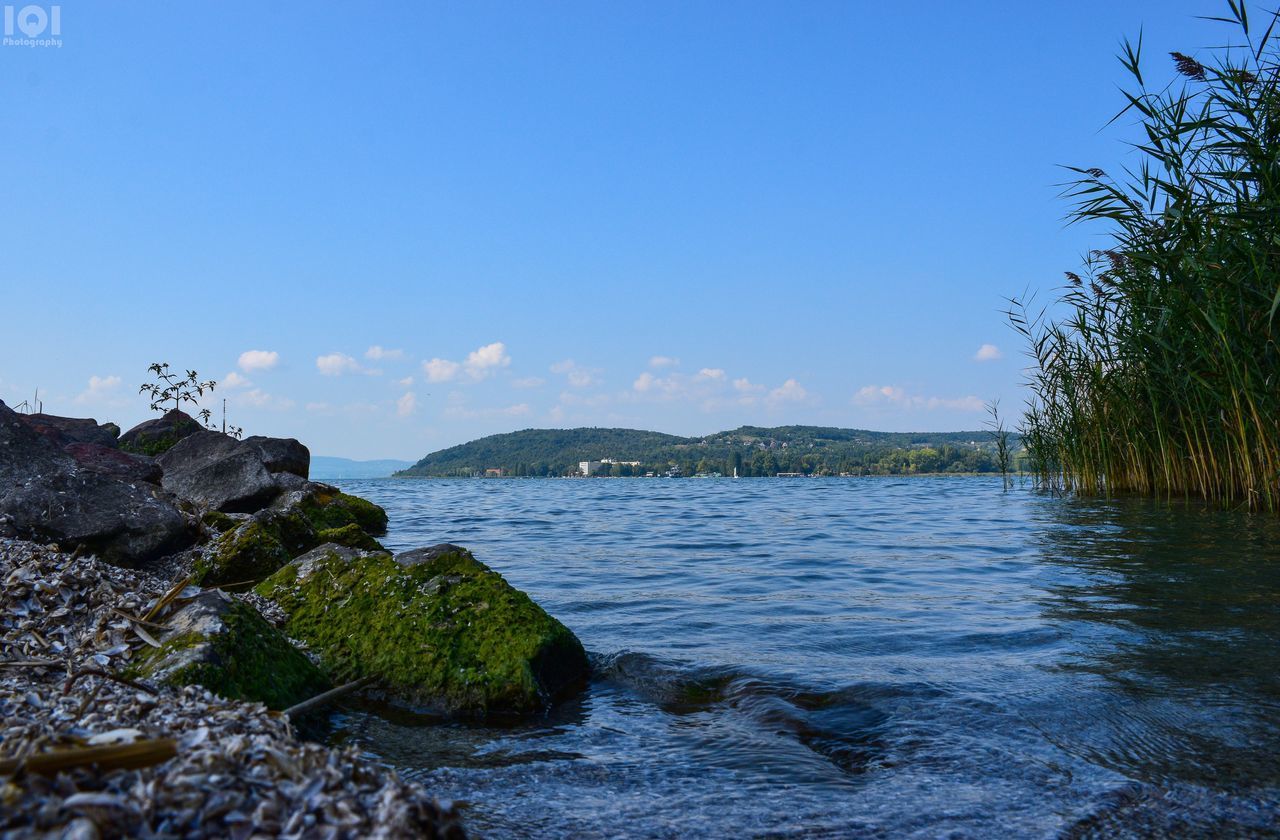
{"x": 32, "y": 26}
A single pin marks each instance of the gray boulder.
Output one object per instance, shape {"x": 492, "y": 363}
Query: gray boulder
{"x": 46, "y": 495}
{"x": 66, "y": 430}
{"x": 154, "y": 437}
{"x": 219, "y": 472}
{"x": 107, "y": 460}
{"x": 281, "y": 455}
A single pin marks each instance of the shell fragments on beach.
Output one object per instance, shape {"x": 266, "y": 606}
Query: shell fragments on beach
{"x": 188, "y": 763}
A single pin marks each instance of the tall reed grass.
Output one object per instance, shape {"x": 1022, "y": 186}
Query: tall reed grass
{"x": 1158, "y": 371}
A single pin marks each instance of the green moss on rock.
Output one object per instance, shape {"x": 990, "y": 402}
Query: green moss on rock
{"x": 225, "y": 646}
{"x": 244, "y": 555}
{"x": 293, "y": 528}
{"x": 437, "y": 629}
{"x": 158, "y": 437}
{"x": 216, "y": 520}
{"x": 252, "y": 549}
{"x": 351, "y": 535}
{"x": 331, "y": 508}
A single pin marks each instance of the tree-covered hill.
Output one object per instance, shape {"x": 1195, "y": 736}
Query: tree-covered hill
{"x": 752, "y": 450}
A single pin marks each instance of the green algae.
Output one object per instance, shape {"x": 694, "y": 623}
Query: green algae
{"x": 217, "y": 521}
{"x": 158, "y": 443}
{"x": 250, "y": 550}
{"x": 333, "y": 509}
{"x": 447, "y": 634}
{"x": 351, "y": 535}
{"x": 292, "y": 528}
{"x": 247, "y": 553}
{"x": 248, "y": 660}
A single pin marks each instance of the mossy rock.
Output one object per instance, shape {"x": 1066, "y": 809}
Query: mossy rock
{"x": 292, "y": 527}
{"x": 253, "y": 549}
{"x": 158, "y": 436}
{"x": 328, "y": 507}
{"x": 227, "y": 647}
{"x": 218, "y": 522}
{"x": 436, "y": 628}
{"x": 153, "y": 445}
{"x": 350, "y": 535}
{"x": 243, "y": 555}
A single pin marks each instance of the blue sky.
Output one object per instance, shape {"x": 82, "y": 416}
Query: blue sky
{"x": 388, "y": 229}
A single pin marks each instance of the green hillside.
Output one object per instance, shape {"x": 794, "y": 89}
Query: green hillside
{"x": 753, "y": 451}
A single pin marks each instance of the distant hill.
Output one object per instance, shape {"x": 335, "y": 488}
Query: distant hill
{"x": 326, "y": 466}
{"x": 751, "y": 450}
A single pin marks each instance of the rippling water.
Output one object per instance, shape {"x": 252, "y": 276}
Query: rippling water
{"x": 865, "y": 657}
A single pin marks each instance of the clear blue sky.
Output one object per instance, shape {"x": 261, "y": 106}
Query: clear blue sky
{"x": 682, "y": 216}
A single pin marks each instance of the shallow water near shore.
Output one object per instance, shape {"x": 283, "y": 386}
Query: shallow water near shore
{"x": 864, "y": 657}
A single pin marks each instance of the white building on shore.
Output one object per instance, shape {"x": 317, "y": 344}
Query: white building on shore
{"x": 590, "y": 468}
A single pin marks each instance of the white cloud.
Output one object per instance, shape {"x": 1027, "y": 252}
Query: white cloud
{"x": 987, "y": 353}
{"x": 259, "y": 398}
{"x": 378, "y": 352}
{"x": 441, "y": 370}
{"x": 787, "y": 392}
{"x": 647, "y": 382}
{"x": 892, "y": 395}
{"x": 251, "y": 360}
{"x": 234, "y": 380}
{"x": 479, "y": 364}
{"x": 578, "y": 376}
{"x": 713, "y": 390}
{"x": 706, "y": 386}
{"x": 406, "y": 382}
{"x": 102, "y": 389}
{"x": 406, "y": 404}
{"x": 319, "y": 407}
{"x": 336, "y": 364}
{"x": 528, "y": 382}
{"x": 663, "y": 362}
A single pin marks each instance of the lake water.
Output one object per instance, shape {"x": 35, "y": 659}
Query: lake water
{"x": 874, "y": 657}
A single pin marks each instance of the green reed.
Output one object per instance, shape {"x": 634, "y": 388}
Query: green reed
{"x": 1157, "y": 370}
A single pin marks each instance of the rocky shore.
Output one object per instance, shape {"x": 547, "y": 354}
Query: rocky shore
{"x": 176, "y": 601}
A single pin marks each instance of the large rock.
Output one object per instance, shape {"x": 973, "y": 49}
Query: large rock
{"x": 116, "y": 463}
{"x": 65, "y": 430}
{"x": 46, "y": 495}
{"x": 224, "y": 645}
{"x": 219, "y": 472}
{"x": 252, "y": 548}
{"x": 281, "y": 455}
{"x": 154, "y": 437}
{"x": 328, "y": 507}
{"x": 436, "y": 628}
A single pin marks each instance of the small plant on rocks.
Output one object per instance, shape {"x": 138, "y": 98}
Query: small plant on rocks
{"x": 172, "y": 388}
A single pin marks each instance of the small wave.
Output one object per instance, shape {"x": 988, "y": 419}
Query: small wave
{"x": 844, "y": 726}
